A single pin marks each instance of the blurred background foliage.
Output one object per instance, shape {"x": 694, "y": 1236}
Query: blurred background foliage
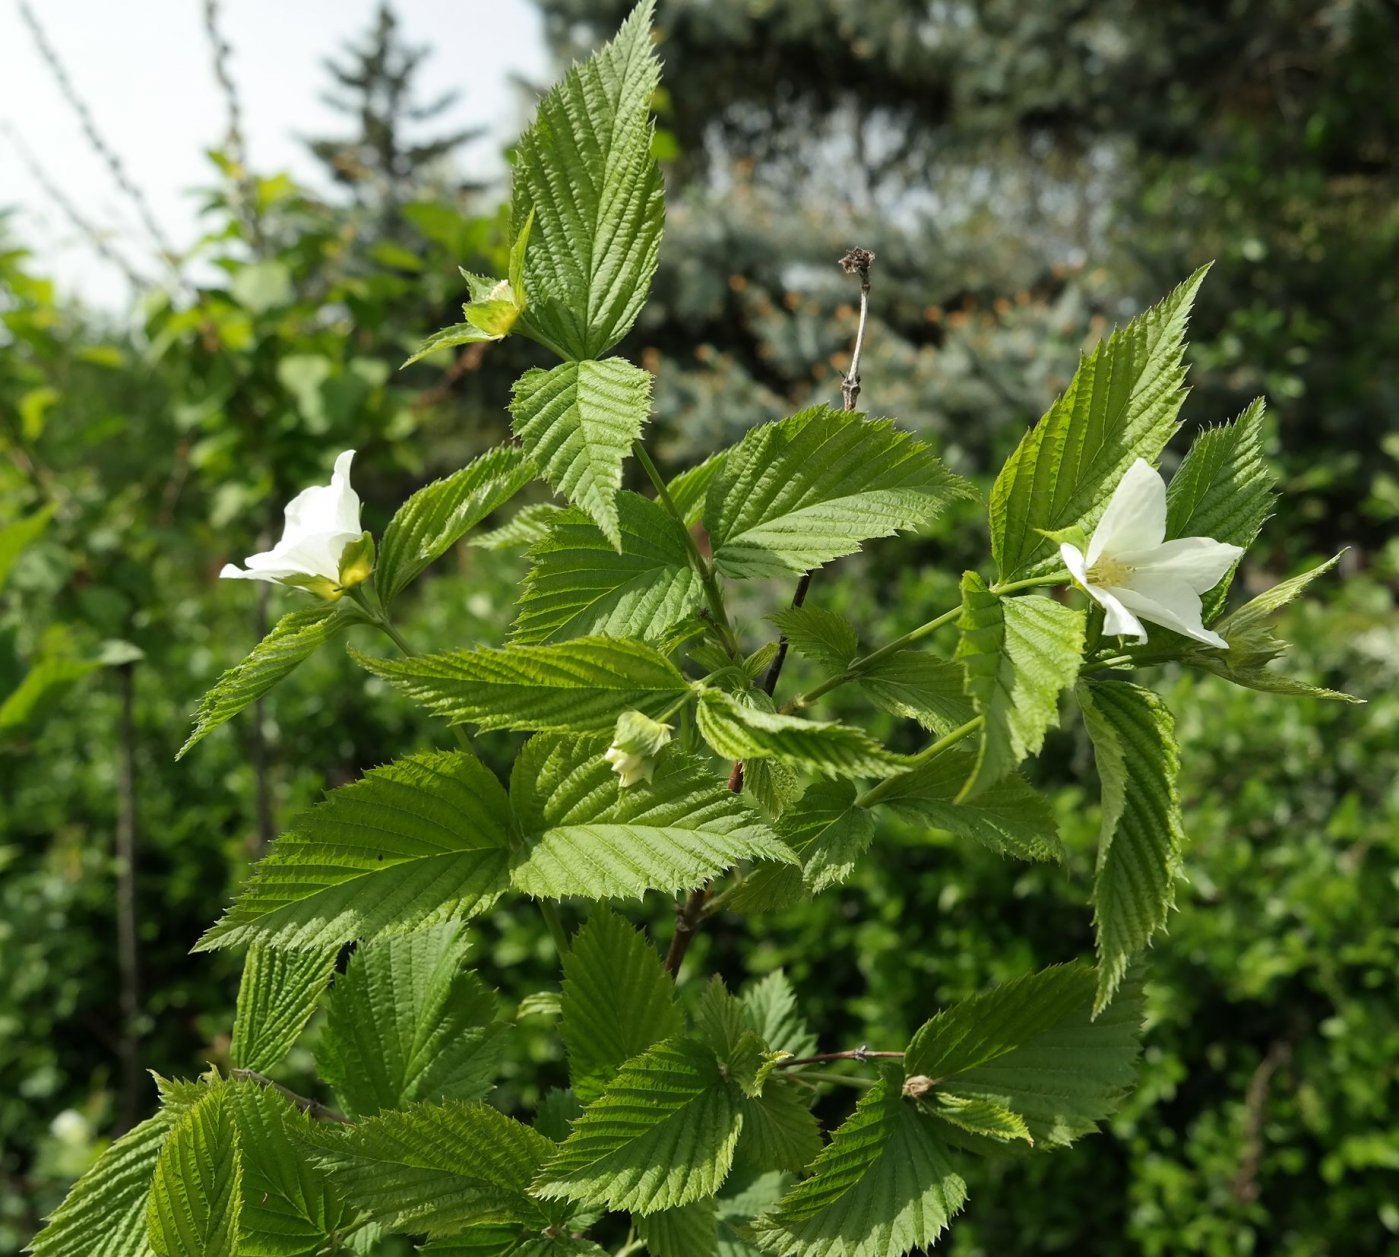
{"x": 1028, "y": 175}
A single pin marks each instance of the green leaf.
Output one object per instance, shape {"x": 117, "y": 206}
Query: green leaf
{"x": 289, "y": 1206}
{"x": 689, "y": 1231}
{"x": 1018, "y": 654}
{"x": 437, "y": 516}
{"x": 737, "y": 1209}
{"x": 196, "y": 1196}
{"x": 529, "y": 526}
{"x": 1141, "y": 838}
{"x": 1031, "y": 1048}
{"x": 439, "y": 1168}
{"x": 577, "y": 423}
{"x": 1223, "y": 489}
{"x": 586, "y": 836}
{"x": 104, "y": 1213}
{"x": 663, "y": 1134}
{"x": 770, "y": 1007}
{"x": 584, "y": 170}
{"x": 579, "y": 586}
{"x": 262, "y": 286}
{"x": 16, "y": 537}
{"x": 881, "y": 1187}
{"x": 1121, "y": 405}
{"x": 417, "y": 842}
{"x": 617, "y": 1001}
{"x": 408, "y": 1022}
{"x": 818, "y": 634}
{"x": 921, "y": 687}
{"x": 277, "y": 995}
{"x": 800, "y": 492}
{"x": 779, "y": 1130}
{"x": 1009, "y": 817}
{"x": 449, "y": 338}
{"x": 688, "y": 489}
{"x": 739, "y": 731}
{"x": 569, "y": 686}
{"x": 293, "y": 638}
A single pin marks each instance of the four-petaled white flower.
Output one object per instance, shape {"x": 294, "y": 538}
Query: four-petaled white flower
{"x": 1136, "y": 574}
{"x": 321, "y": 522}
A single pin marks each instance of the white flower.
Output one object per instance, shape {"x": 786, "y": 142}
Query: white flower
{"x": 321, "y": 522}
{"x": 635, "y": 745}
{"x": 629, "y": 766}
{"x": 1136, "y": 574}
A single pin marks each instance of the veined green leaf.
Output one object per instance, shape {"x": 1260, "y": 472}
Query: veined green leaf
{"x": 580, "y": 586}
{"x": 818, "y": 634}
{"x": 770, "y": 1007}
{"x": 420, "y": 841}
{"x": 779, "y": 1130}
{"x": 689, "y": 488}
{"x": 104, "y": 1213}
{"x": 440, "y": 1168}
{"x": 1009, "y": 817}
{"x": 196, "y": 1200}
{"x": 293, "y": 638}
{"x": 663, "y": 1134}
{"x": 584, "y": 170}
{"x": 437, "y": 516}
{"x": 564, "y": 687}
{"x": 586, "y": 836}
{"x": 527, "y": 527}
{"x": 617, "y": 1001}
{"x": 800, "y": 492}
{"x": 921, "y": 687}
{"x": 577, "y": 423}
{"x": 1120, "y": 406}
{"x": 1029, "y": 1047}
{"x": 1141, "y": 838}
{"x": 408, "y": 1022}
{"x": 739, "y": 731}
{"x": 1018, "y": 654}
{"x": 881, "y": 1187}
{"x": 277, "y": 995}
{"x": 689, "y": 1231}
{"x": 449, "y": 338}
{"x": 737, "y": 1209}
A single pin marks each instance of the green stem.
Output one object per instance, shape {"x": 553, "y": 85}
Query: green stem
{"x": 1061, "y": 577}
{"x": 877, "y": 794}
{"x": 816, "y": 1076}
{"x": 1117, "y": 661}
{"x": 712, "y": 593}
{"x": 552, "y": 918}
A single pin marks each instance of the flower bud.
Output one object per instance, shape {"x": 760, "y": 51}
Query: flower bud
{"x": 357, "y": 562}
{"x": 635, "y": 744}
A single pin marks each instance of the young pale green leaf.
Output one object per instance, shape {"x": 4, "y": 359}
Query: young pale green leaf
{"x": 584, "y": 169}
{"x": 1029, "y": 1048}
{"x": 422, "y": 840}
{"x": 663, "y": 1134}
{"x": 617, "y": 1001}
{"x": 579, "y": 586}
{"x": 104, "y": 1213}
{"x": 407, "y": 1022}
{"x": 770, "y": 1008}
{"x": 1009, "y": 817}
{"x": 570, "y": 686}
{"x": 1120, "y": 406}
{"x": 737, "y": 730}
{"x": 921, "y": 687}
{"x": 689, "y": 1231}
{"x": 277, "y": 995}
{"x": 1018, "y": 654}
{"x": 1141, "y": 838}
{"x": 689, "y": 488}
{"x": 439, "y": 1168}
{"x": 196, "y": 1200}
{"x": 798, "y": 493}
{"x": 527, "y": 527}
{"x": 881, "y": 1187}
{"x": 293, "y": 638}
{"x": 437, "y": 516}
{"x": 449, "y": 338}
{"x": 577, "y": 422}
{"x": 817, "y": 634}
{"x": 586, "y": 836}
{"x": 289, "y": 1206}
{"x": 1223, "y": 489}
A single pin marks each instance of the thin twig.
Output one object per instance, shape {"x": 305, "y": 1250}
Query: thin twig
{"x": 128, "y": 955}
{"x": 104, "y": 151}
{"x": 312, "y": 1107}
{"x": 860, "y": 1054}
{"x": 235, "y": 144}
{"x": 690, "y": 915}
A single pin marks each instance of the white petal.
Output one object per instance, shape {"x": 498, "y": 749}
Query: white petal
{"x": 1074, "y": 561}
{"x": 1135, "y": 518}
{"x": 1198, "y": 561}
{"x": 329, "y": 508}
{"x": 230, "y": 572}
{"x": 1118, "y": 622}
{"x": 1168, "y": 601}
{"x": 316, "y": 554}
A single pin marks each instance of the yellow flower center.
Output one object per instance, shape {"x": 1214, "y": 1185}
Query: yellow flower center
{"x": 1108, "y": 571}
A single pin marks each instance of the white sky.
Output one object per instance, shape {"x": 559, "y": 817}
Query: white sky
{"x": 144, "y": 67}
